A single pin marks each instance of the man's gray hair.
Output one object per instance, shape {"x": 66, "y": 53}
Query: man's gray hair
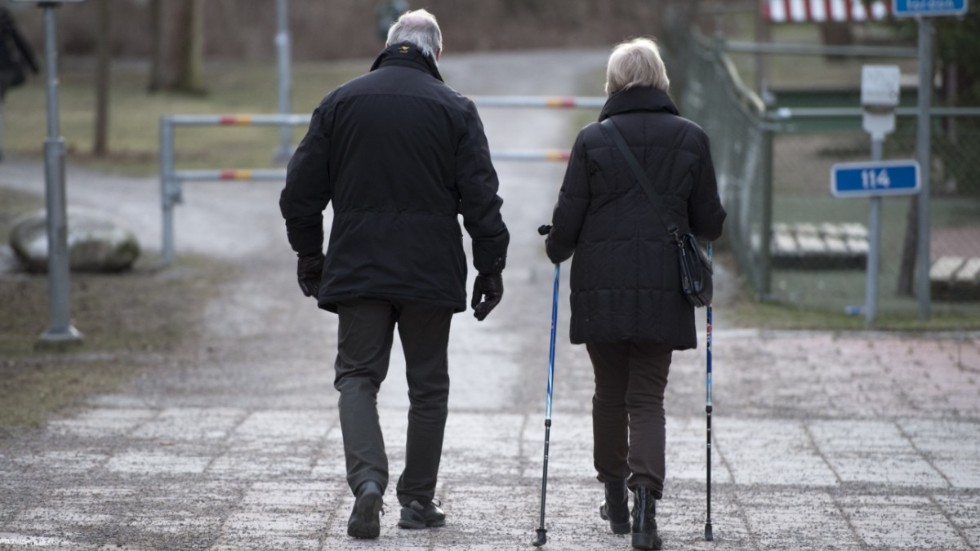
{"x": 636, "y": 63}
{"x": 418, "y": 27}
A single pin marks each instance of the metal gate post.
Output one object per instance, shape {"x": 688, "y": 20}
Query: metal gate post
{"x": 168, "y": 195}
{"x": 60, "y": 332}
{"x": 765, "y": 174}
{"x": 923, "y": 155}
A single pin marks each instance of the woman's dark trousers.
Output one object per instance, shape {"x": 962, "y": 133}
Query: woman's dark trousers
{"x": 364, "y": 344}
{"x": 628, "y": 420}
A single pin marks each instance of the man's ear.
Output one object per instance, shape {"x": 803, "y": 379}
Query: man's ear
{"x": 438, "y": 54}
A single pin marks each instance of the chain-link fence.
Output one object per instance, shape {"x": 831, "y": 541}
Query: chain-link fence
{"x": 734, "y": 118}
{"x": 794, "y": 241}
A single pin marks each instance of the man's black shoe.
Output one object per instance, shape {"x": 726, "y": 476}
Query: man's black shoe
{"x": 365, "y": 522}
{"x": 415, "y": 516}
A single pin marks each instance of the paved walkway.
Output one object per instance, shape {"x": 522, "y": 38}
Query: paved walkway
{"x": 821, "y": 441}
{"x": 855, "y": 441}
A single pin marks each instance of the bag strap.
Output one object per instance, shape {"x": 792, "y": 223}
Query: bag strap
{"x": 617, "y": 138}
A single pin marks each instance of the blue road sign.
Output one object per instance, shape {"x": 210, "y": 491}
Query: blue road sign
{"x": 909, "y": 8}
{"x": 874, "y": 179}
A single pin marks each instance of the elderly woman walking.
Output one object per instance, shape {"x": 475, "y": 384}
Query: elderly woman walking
{"x": 626, "y": 300}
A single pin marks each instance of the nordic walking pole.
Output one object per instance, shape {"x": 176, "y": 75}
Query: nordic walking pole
{"x": 708, "y": 536}
{"x": 542, "y": 537}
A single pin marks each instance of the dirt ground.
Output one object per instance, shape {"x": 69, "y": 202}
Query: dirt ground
{"x": 132, "y": 320}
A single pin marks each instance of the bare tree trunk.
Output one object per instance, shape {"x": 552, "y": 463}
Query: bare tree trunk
{"x": 906, "y": 270}
{"x": 102, "y": 78}
{"x": 190, "y": 61}
{"x": 158, "y": 52}
{"x": 178, "y": 46}
{"x": 679, "y": 17}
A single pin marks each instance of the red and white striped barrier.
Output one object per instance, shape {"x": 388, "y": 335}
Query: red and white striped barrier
{"x": 820, "y": 11}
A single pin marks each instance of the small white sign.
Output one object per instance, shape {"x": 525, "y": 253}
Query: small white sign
{"x": 880, "y": 86}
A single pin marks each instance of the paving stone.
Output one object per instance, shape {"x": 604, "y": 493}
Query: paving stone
{"x": 771, "y": 452}
{"x": 102, "y": 422}
{"x": 17, "y": 542}
{"x": 895, "y": 469}
{"x": 901, "y": 522}
{"x": 962, "y": 472}
{"x": 250, "y": 466}
{"x": 142, "y": 462}
{"x": 190, "y": 424}
{"x": 285, "y": 425}
{"x": 785, "y": 520}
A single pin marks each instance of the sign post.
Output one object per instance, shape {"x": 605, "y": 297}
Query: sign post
{"x": 285, "y": 80}
{"x": 875, "y": 179}
{"x": 924, "y": 10}
{"x": 879, "y": 97}
{"x": 60, "y": 332}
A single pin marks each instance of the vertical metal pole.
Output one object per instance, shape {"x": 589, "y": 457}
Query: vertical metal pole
{"x": 168, "y": 196}
{"x": 1, "y": 130}
{"x": 765, "y": 237}
{"x": 60, "y": 331}
{"x": 708, "y": 407}
{"x": 874, "y": 241}
{"x": 285, "y": 80}
{"x": 542, "y": 532}
{"x": 762, "y": 36}
{"x": 923, "y": 155}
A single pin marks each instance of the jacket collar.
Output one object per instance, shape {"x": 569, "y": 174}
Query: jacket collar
{"x": 407, "y": 54}
{"x": 643, "y": 98}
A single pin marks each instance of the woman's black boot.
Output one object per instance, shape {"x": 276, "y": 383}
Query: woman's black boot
{"x": 616, "y": 507}
{"x": 645, "y": 534}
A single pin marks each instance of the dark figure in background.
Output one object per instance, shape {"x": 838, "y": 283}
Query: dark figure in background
{"x": 16, "y": 57}
{"x": 400, "y": 155}
{"x": 626, "y": 299}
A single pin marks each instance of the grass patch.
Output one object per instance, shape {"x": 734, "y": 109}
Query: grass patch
{"x": 777, "y": 315}
{"x": 134, "y": 117}
{"x": 825, "y": 310}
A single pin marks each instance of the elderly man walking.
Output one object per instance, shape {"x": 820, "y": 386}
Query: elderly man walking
{"x": 400, "y": 155}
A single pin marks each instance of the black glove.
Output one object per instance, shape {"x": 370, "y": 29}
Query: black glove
{"x": 309, "y": 270}
{"x": 544, "y": 229}
{"x": 489, "y": 288}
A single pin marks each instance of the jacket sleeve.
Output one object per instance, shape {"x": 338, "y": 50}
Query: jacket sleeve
{"x": 308, "y": 189}
{"x": 705, "y": 212}
{"x": 476, "y": 181}
{"x": 573, "y": 203}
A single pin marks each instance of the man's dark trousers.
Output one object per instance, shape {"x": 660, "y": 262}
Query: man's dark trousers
{"x": 364, "y": 347}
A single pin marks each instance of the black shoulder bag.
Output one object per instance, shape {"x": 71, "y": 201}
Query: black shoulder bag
{"x": 695, "y": 268}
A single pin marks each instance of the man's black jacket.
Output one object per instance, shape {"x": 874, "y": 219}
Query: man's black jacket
{"x": 400, "y": 155}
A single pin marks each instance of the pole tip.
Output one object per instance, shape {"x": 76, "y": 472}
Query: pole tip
{"x": 542, "y": 538}
{"x": 708, "y": 535}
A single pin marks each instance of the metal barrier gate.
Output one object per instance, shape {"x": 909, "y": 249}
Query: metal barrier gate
{"x": 171, "y": 179}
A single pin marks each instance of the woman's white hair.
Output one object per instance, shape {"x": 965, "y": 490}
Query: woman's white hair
{"x": 636, "y": 63}
{"x": 418, "y": 27}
